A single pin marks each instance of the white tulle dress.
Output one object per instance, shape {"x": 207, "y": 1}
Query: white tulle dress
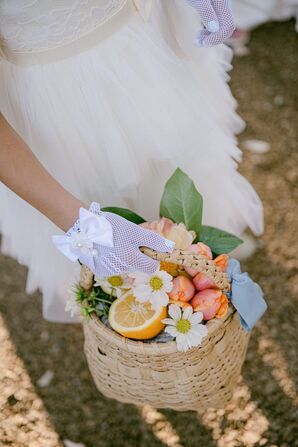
{"x": 251, "y": 13}
{"x": 112, "y": 96}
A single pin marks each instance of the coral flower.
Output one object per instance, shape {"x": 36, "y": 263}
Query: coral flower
{"x": 211, "y": 302}
{"x": 222, "y": 262}
{"x": 177, "y": 233}
{"x": 199, "y": 249}
{"x": 183, "y": 289}
{"x": 202, "y": 282}
{"x": 182, "y": 304}
{"x": 224, "y": 306}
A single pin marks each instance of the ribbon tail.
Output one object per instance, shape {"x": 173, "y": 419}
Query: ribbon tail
{"x": 88, "y": 261}
{"x": 247, "y": 298}
{"x": 63, "y": 244}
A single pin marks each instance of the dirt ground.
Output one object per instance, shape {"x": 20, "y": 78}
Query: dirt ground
{"x": 264, "y": 411}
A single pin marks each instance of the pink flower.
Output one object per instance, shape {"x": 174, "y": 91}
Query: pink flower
{"x": 172, "y": 231}
{"x": 202, "y": 282}
{"x": 211, "y": 302}
{"x": 183, "y": 289}
{"x": 199, "y": 249}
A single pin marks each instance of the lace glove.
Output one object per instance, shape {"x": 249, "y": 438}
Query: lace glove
{"x": 109, "y": 244}
{"x": 217, "y": 18}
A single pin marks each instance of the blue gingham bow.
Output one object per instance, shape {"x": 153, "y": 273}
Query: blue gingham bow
{"x": 246, "y": 296}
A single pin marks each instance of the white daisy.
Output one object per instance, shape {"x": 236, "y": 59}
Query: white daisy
{"x": 152, "y": 288}
{"x": 72, "y": 306}
{"x": 186, "y": 327}
{"x": 114, "y": 285}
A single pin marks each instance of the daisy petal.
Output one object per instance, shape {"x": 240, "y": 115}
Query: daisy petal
{"x": 164, "y": 299}
{"x": 172, "y": 331}
{"x": 168, "y": 321}
{"x": 165, "y": 276}
{"x": 139, "y": 277}
{"x": 187, "y": 313}
{"x": 156, "y": 304}
{"x": 200, "y": 329}
{"x": 196, "y": 318}
{"x": 175, "y": 312}
{"x": 142, "y": 289}
{"x": 182, "y": 345}
{"x": 194, "y": 339}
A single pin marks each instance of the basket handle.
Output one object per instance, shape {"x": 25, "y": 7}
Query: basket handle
{"x": 180, "y": 257}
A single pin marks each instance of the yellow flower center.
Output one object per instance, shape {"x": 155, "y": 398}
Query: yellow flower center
{"x": 156, "y": 283}
{"x": 115, "y": 281}
{"x": 183, "y": 326}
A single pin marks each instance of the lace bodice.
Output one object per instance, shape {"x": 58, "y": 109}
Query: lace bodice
{"x": 37, "y": 25}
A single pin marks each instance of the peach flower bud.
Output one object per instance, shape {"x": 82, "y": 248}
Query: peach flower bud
{"x": 204, "y": 250}
{"x": 202, "y": 282}
{"x": 198, "y": 249}
{"x": 182, "y": 304}
{"x": 180, "y": 235}
{"x": 183, "y": 289}
{"x": 222, "y": 262}
{"x": 208, "y": 302}
{"x": 177, "y": 233}
{"x": 222, "y": 311}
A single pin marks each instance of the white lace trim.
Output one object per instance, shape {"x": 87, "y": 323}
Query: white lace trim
{"x": 38, "y": 25}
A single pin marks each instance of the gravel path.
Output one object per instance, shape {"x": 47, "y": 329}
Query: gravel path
{"x": 46, "y": 393}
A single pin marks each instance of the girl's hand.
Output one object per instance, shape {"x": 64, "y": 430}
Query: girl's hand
{"x": 217, "y": 18}
{"x": 109, "y": 244}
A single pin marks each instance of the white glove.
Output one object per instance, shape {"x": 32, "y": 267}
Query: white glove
{"x": 217, "y": 18}
{"x": 109, "y": 244}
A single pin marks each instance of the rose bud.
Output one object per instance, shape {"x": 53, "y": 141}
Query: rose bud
{"x": 224, "y": 306}
{"x": 183, "y": 289}
{"x": 202, "y": 282}
{"x": 208, "y": 302}
{"x": 182, "y": 304}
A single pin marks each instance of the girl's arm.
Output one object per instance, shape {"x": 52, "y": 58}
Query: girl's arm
{"x": 21, "y": 171}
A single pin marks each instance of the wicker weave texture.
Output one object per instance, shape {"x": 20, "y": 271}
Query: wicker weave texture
{"x": 158, "y": 375}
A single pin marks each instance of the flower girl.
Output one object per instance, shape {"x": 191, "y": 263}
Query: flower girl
{"x": 111, "y": 96}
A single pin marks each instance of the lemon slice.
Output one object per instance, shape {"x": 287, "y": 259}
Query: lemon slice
{"x": 133, "y": 319}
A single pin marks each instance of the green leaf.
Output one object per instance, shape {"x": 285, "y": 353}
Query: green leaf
{"x": 126, "y": 213}
{"x": 182, "y": 202}
{"x": 218, "y": 240}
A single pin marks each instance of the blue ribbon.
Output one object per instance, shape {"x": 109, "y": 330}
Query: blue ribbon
{"x": 246, "y": 296}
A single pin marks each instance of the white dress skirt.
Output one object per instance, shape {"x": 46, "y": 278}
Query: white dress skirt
{"x": 111, "y": 114}
{"x": 251, "y": 13}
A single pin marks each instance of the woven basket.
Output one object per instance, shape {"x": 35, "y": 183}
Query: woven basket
{"x": 156, "y": 373}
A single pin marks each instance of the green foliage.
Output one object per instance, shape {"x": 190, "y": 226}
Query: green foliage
{"x": 182, "y": 202}
{"x": 126, "y": 213}
{"x": 96, "y": 301}
{"x": 218, "y": 240}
